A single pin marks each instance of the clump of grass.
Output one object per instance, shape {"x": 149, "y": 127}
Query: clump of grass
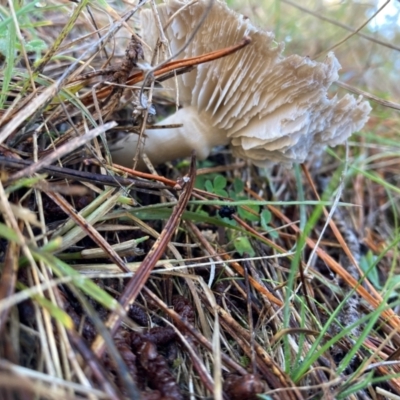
{"x": 280, "y": 282}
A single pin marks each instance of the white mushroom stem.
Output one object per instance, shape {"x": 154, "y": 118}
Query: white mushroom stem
{"x": 161, "y": 145}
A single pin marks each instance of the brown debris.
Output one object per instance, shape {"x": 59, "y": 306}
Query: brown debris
{"x": 133, "y": 53}
{"x": 158, "y": 373}
{"x": 244, "y": 387}
{"x": 184, "y": 308}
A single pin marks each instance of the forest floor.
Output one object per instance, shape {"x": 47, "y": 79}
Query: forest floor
{"x": 195, "y": 279}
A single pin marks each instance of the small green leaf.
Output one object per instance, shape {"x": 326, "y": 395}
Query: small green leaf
{"x": 245, "y": 361}
{"x": 232, "y": 194}
{"x": 53, "y": 245}
{"x": 3, "y": 46}
{"x": 242, "y": 245}
{"x": 205, "y": 164}
{"x": 209, "y": 186}
{"x": 36, "y": 45}
{"x": 24, "y": 182}
{"x": 219, "y": 183}
{"x": 200, "y": 182}
{"x": 62, "y": 269}
{"x": 8, "y": 67}
{"x": 394, "y": 282}
{"x": 221, "y": 192}
{"x": 273, "y": 233}
{"x": 228, "y": 221}
{"x": 177, "y": 363}
{"x": 367, "y": 265}
{"x": 56, "y": 312}
{"x": 8, "y": 234}
{"x": 265, "y": 219}
{"x": 238, "y": 185}
{"x": 247, "y": 215}
{"x": 202, "y": 213}
{"x": 185, "y": 163}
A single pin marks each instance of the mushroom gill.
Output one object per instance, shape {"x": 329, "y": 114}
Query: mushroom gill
{"x": 268, "y": 107}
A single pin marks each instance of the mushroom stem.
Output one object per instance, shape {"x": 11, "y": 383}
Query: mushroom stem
{"x": 161, "y": 145}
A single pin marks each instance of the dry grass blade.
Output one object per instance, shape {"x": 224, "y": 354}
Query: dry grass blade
{"x": 389, "y": 316}
{"x": 136, "y": 283}
{"x": 8, "y": 278}
{"x": 29, "y": 377}
{"x": 193, "y": 332}
{"x": 237, "y": 267}
{"x": 200, "y": 368}
{"x": 367, "y": 95}
{"x": 68, "y": 173}
{"x": 61, "y": 151}
{"x": 344, "y": 26}
{"x": 276, "y": 378}
{"x": 88, "y": 229}
{"x": 31, "y": 108}
{"x": 61, "y": 37}
{"x": 95, "y": 366}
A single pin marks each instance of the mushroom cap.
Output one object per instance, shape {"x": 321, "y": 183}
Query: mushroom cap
{"x": 273, "y": 108}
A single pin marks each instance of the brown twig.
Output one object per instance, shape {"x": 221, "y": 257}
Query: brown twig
{"x": 73, "y": 174}
{"x": 133, "y": 172}
{"x": 175, "y": 65}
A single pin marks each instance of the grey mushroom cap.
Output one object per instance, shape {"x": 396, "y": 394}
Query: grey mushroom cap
{"x": 268, "y": 107}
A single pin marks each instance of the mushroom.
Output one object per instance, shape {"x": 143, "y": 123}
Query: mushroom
{"x": 268, "y": 107}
